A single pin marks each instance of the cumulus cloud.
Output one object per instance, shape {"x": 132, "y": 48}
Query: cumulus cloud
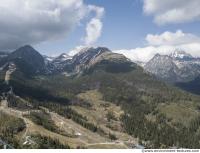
{"x": 34, "y": 21}
{"x": 172, "y": 11}
{"x": 164, "y": 44}
{"x": 146, "y": 53}
{"x": 94, "y": 26}
{"x": 170, "y": 38}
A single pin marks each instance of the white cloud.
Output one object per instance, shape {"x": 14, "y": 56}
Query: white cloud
{"x": 170, "y": 38}
{"x": 146, "y": 53}
{"x": 94, "y": 26}
{"x": 76, "y": 50}
{"x": 164, "y": 44}
{"x": 34, "y": 21}
{"x": 172, "y": 11}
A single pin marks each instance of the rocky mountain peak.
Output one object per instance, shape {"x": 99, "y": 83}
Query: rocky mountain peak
{"x": 181, "y": 55}
{"x": 87, "y": 54}
{"x": 176, "y": 67}
{"x": 27, "y": 59}
{"x": 26, "y": 52}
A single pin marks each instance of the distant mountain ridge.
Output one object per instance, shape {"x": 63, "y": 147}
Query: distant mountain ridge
{"x": 176, "y": 67}
{"x": 181, "y": 55}
{"x": 27, "y": 58}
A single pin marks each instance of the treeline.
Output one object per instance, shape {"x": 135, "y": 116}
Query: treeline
{"x": 17, "y": 103}
{"x": 71, "y": 114}
{"x": 43, "y": 119}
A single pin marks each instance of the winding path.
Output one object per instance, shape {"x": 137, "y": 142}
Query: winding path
{"x": 11, "y": 69}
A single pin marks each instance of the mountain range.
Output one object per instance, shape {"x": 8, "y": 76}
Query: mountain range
{"x": 178, "y": 68}
{"x": 97, "y": 99}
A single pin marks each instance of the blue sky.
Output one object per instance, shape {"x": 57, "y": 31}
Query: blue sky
{"x": 136, "y": 28}
{"x": 125, "y": 26}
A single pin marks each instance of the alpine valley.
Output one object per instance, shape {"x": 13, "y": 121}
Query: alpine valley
{"x": 98, "y": 99}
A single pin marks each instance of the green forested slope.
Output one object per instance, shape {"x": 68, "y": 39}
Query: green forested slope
{"x": 146, "y": 102}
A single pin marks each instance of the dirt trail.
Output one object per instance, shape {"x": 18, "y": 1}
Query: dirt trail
{"x": 89, "y": 138}
{"x": 82, "y": 133}
{"x": 32, "y": 128}
{"x": 84, "y": 137}
{"x": 4, "y": 104}
{"x": 11, "y": 69}
{"x": 108, "y": 145}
